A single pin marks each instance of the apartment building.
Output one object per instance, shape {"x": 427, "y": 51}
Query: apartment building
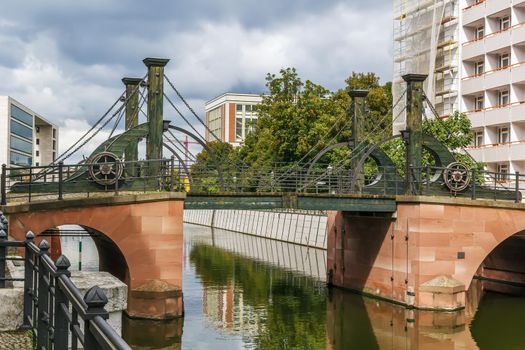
{"x": 26, "y": 138}
{"x": 231, "y": 117}
{"x": 493, "y": 80}
{"x": 475, "y": 50}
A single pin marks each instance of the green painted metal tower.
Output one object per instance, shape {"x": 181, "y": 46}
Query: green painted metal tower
{"x": 131, "y": 153}
{"x": 155, "y": 111}
{"x": 414, "y": 129}
{"x": 357, "y": 111}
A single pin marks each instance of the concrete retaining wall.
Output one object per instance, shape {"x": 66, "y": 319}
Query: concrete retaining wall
{"x": 298, "y": 227}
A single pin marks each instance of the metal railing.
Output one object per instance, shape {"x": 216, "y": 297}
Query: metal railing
{"x": 27, "y": 184}
{"x": 56, "y": 312}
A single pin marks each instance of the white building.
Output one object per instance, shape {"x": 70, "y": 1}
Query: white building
{"x": 231, "y": 117}
{"x": 475, "y": 50}
{"x": 26, "y": 138}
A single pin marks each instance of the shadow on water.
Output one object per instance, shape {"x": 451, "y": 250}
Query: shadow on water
{"x": 148, "y": 334}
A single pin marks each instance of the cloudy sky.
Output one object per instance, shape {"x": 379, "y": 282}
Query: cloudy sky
{"x": 65, "y": 59}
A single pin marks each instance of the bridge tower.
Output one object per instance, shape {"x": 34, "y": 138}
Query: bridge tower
{"x": 357, "y": 110}
{"x": 131, "y": 152}
{"x": 413, "y": 134}
{"x": 155, "y": 111}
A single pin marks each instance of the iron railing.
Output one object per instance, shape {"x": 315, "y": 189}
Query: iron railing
{"x": 27, "y": 184}
{"x": 56, "y": 312}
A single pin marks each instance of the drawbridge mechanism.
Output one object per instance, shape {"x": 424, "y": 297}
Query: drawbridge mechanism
{"x": 105, "y": 169}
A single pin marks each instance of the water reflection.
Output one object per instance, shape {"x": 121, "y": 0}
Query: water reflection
{"x": 236, "y": 298}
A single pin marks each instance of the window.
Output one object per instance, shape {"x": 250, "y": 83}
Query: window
{"x": 503, "y": 134}
{"x": 54, "y": 133}
{"x": 21, "y": 145}
{"x": 54, "y": 145}
{"x": 213, "y": 117}
{"x": 478, "y": 138}
{"x": 479, "y": 103}
{"x": 239, "y": 123}
{"x": 20, "y": 159}
{"x": 480, "y": 32}
{"x": 480, "y": 67}
{"x": 21, "y": 116}
{"x": 503, "y": 172}
{"x": 503, "y": 98}
{"x": 37, "y": 141}
{"x": 21, "y": 130}
{"x": 54, "y": 156}
{"x": 504, "y": 23}
{"x": 37, "y": 164}
{"x": 504, "y": 60}
{"x": 37, "y": 128}
{"x": 37, "y": 153}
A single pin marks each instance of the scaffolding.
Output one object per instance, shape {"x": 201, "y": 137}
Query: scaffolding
{"x": 426, "y": 42}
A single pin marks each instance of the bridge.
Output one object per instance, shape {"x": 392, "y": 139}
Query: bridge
{"x": 416, "y": 234}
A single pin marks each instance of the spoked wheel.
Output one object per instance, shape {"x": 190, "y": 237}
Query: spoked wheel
{"x": 105, "y": 169}
{"x": 457, "y": 177}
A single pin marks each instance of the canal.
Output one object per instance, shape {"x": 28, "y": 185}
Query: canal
{"x": 244, "y": 292}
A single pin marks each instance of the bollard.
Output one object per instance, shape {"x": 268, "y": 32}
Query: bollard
{"x": 43, "y": 299}
{"x": 60, "y": 324}
{"x": 28, "y": 282}
{"x": 95, "y": 300}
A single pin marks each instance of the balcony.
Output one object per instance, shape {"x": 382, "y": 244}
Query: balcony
{"x": 477, "y": 119}
{"x": 477, "y": 154}
{"x": 517, "y": 151}
{"x": 497, "y": 41}
{"x": 472, "y": 85}
{"x": 494, "y": 6}
{"x": 518, "y": 33}
{"x": 474, "y": 12}
{"x": 473, "y": 49}
{"x": 495, "y": 116}
{"x": 517, "y": 112}
{"x": 518, "y": 73}
{"x": 496, "y": 78}
{"x": 498, "y": 153}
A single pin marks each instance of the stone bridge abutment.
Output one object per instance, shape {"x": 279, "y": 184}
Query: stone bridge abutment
{"x": 139, "y": 240}
{"x": 427, "y": 254}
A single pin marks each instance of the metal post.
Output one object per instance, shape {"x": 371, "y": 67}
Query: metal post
{"x": 155, "y": 111}
{"x": 414, "y": 126}
{"x": 43, "y": 299}
{"x": 3, "y": 255}
{"x": 61, "y": 334}
{"x": 60, "y": 180}
{"x": 28, "y": 283}
{"x": 473, "y": 183}
{"x": 428, "y": 180}
{"x": 172, "y": 174}
{"x": 95, "y": 300}
{"x": 3, "y": 185}
{"x": 517, "y": 186}
{"x": 30, "y": 181}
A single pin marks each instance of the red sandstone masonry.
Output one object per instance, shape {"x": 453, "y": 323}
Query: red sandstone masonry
{"x": 149, "y": 236}
{"x": 436, "y": 233}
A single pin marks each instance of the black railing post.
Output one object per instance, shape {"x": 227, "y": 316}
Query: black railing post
{"x": 95, "y": 300}
{"x": 517, "y": 186}
{"x": 3, "y": 255}
{"x": 60, "y": 180}
{"x": 43, "y": 299}
{"x": 28, "y": 283}
{"x": 30, "y": 182}
{"x": 172, "y": 174}
{"x": 61, "y": 334}
{"x": 474, "y": 183}
{"x": 3, "y": 185}
{"x": 428, "y": 180}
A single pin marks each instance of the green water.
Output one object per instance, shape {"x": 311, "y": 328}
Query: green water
{"x": 236, "y": 302}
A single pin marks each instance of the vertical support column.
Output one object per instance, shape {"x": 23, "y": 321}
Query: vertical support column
{"x": 131, "y": 153}
{"x": 414, "y": 123}
{"x": 357, "y": 110}
{"x": 155, "y": 112}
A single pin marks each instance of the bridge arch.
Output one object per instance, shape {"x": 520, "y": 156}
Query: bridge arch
{"x": 140, "y": 242}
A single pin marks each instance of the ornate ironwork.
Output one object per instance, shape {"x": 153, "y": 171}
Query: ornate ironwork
{"x": 457, "y": 176}
{"x": 106, "y": 169}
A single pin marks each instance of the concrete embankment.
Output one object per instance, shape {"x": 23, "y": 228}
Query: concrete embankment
{"x": 306, "y": 228}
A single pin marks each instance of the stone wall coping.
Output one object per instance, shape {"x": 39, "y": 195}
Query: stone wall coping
{"x": 442, "y": 285}
{"x": 91, "y": 202}
{"x": 486, "y": 203}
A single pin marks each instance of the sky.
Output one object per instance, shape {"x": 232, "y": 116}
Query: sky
{"x": 65, "y": 59}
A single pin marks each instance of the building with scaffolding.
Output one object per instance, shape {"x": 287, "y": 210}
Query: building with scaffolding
{"x": 474, "y": 54}
{"x": 426, "y": 39}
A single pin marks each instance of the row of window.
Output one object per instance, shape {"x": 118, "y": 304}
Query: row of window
{"x": 504, "y": 24}
{"x": 245, "y": 121}
{"x": 503, "y": 100}
{"x": 503, "y": 136}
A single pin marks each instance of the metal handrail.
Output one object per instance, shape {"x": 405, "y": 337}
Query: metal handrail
{"x": 49, "y": 293}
